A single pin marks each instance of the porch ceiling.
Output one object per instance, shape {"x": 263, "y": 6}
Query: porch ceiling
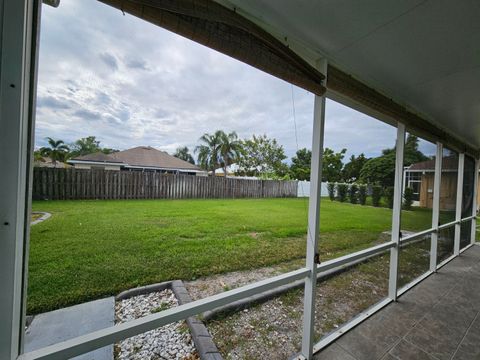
{"x": 424, "y": 55}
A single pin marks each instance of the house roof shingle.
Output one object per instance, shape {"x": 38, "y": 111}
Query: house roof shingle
{"x": 147, "y": 156}
{"x": 141, "y": 156}
{"x": 98, "y": 157}
{"x": 448, "y": 163}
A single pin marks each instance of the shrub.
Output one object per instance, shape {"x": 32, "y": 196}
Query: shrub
{"x": 376, "y": 195}
{"x": 353, "y": 193}
{"x": 408, "y": 198}
{"x": 331, "y": 191}
{"x": 389, "y": 196}
{"x": 362, "y": 194}
{"x": 342, "y": 190}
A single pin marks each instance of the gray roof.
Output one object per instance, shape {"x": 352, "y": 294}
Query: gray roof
{"x": 147, "y": 156}
{"x": 97, "y": 157}
{"x": 141, "y": 156}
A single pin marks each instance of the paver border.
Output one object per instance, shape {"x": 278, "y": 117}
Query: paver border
{"x": 45, "y": 216}
{"x": 206, "y": 348}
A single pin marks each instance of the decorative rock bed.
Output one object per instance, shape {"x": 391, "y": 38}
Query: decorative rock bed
{"x": 172, "y": 341}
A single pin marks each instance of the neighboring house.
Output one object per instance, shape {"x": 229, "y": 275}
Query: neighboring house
{"x": 96, "y": 160}
{"x": 47, "y": 162}
{"x": 232, "y": 171}
{"x": 141, "y": 158}
{"x": 420, "y": 177}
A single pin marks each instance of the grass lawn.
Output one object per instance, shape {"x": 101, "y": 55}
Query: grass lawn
{"x": 90, "y": 249}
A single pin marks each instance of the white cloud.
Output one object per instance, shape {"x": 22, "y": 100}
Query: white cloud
{"x": 131, "y": 83}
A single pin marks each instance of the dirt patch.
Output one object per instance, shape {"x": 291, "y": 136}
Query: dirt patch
{"x": 273, "y": 329}
{"x": 207, "y": 286}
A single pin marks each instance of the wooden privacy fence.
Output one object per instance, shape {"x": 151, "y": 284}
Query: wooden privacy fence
{"x": 65, "y": 184}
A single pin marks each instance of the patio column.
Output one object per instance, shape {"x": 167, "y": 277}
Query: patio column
{"x": 17, "y": 55}
{"x": 436, "y": 207}
{"x": 313, "y": 220}
{"x": 458, "y": 207}
{"x": 474, "y": 203}
{"x": 397, "y": 211}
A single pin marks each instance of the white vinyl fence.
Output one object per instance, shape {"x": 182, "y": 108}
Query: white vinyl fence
{"x": 303, "y": 189}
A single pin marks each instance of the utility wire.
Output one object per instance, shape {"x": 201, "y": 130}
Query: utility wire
{"x": 309, "y": 233}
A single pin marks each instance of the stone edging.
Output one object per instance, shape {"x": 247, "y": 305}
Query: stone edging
{"x": 270, "y": 294}
{"x": 45, "y": 216}
{"x": 204, "y": 344}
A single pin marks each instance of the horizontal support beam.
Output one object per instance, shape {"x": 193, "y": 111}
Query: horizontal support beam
{"x": 448, "y": 225}
{"x": 468, "y": 218}
{"x": 415, "y": 236}
{"x": 104, "y": 337}
{"x": 330, "y": 264}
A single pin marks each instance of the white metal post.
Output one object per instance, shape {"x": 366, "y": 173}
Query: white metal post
{"x": 16, "y": 19}
{"x": 474, "y": 203}
{"x": 397, "y": 211}
{"x": 313, "y": 221}
{"x": 436, "y": 206}
{"x": 458, "y": 207}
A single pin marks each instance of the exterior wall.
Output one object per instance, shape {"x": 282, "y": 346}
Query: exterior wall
{"x": 105, "y": 167}
{"x": 426, "y": 191}
{"x": 448, "y": 190}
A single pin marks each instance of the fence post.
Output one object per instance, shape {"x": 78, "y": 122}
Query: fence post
{"x": 458, "y": 207}
{"x": 397, "y": 212}
{"x": 436, "y": 207}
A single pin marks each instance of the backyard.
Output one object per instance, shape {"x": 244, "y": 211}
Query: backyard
{"x": 91, "y": 249}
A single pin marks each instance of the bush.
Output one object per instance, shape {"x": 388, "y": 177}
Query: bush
{"x": 362, "y": 194}
{"x": 389, "y": 196}
{"x": 353, "y": 193}
{"x": 408, "y": 198}
{"x": 342, "y": 190}
{"x": 331, "y": 191}
{"x": 376, "y": 195}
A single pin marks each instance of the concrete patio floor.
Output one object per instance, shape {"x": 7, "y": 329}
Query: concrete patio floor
{"x": 437, "y": 319}
{"x": 63, "y": 324}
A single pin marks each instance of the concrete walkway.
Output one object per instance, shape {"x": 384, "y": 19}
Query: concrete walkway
{"x": 63, "y": 324}
{"x": 438, "y": 319}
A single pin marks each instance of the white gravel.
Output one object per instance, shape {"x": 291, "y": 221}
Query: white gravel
{"x": 172, "y": 341}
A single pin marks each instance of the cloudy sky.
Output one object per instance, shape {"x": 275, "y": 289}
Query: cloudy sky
{"x": 131, "y": 83}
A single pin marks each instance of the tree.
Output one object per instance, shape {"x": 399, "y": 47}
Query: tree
{"x": 261, "y": 155}
{"x": 300, "y": 168}
{"x": 209, "y": 155}
{"x": 38, "y": 156}
{"x": 57, "y": 150}
{"x": 332, "y": 165}
{"x": 379, "y": 170}
{"x": 412, "y": 154}
{"x": 230, "y": 149}
{"x": 88, "y": 145}
{"x": 85, "y": 146}
{"x": 184, "y": 154}
{"x": 351, "y": 170}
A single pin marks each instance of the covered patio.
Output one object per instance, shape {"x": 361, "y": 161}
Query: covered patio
{"x": 411, "y": 64}
{"x": 437, "y": 319}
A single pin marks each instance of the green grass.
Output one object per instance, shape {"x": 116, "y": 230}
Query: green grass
{"x": 90, "y": 249}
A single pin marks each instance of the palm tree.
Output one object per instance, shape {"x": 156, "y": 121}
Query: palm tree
{"x": 57, "y": 151}
{"x": 184, "y": 154}
{"x": 209, "y": 155}
{"x": 230, "y": 149}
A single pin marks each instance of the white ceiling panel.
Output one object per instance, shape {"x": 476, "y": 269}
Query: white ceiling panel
{"x": 423, "y": 54}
